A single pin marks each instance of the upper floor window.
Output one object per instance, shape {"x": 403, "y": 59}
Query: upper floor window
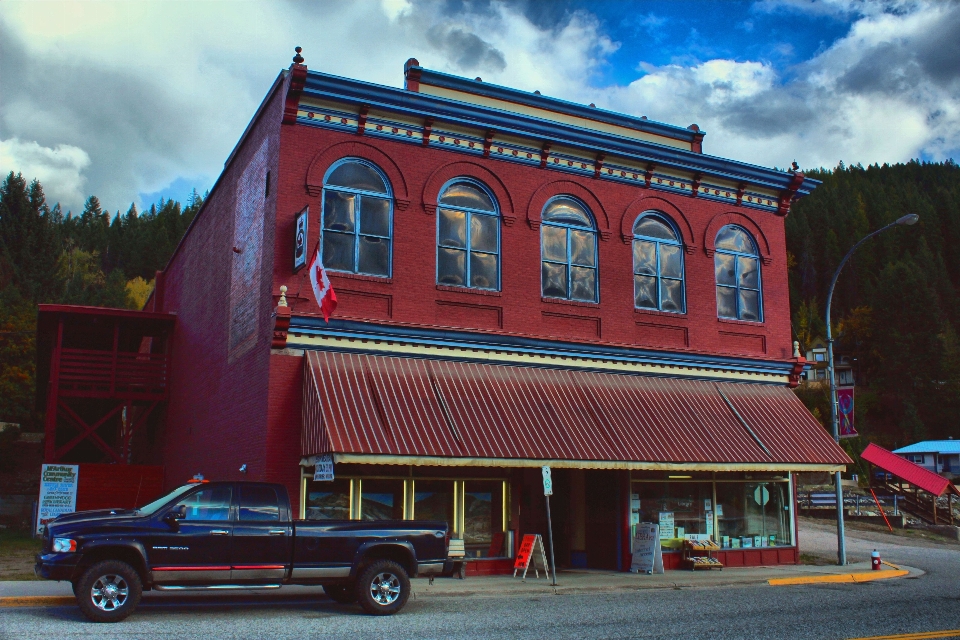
{"x": 737, "y": 266}
{"x": 468, "y": 237}
{"x": 357, "y": 219}
{"x": 657, "y": 265}
{"x": 568, "y": 251}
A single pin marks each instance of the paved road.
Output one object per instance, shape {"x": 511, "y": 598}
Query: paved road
{"x": 930, "y": 602}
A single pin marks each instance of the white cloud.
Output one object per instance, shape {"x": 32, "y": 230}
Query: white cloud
{"x": 58, "y": 169}
{"x": 888, "y": 91}
{"x": 154, "y": 92}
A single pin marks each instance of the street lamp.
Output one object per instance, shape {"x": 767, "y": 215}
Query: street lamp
{"x": 909, "y": 219}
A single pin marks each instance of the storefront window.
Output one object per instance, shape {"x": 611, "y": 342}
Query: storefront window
{"x": 381, "y": 499}
{"x": 483, "y": 518}
{"x": 753, "y": 514}
{"x": 680, "y": 508}
{"x": 327, "y": 500}
{"x": 433, "y": 500}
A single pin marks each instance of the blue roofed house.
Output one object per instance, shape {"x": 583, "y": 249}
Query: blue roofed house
{"x": 939, "y": 456}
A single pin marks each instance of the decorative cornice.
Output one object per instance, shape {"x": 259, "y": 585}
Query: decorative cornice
{"x": 298, "y": 76}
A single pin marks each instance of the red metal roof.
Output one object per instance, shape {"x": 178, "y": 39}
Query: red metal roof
{"x": 363, "y": 404}
{"x": 912, "y": 473}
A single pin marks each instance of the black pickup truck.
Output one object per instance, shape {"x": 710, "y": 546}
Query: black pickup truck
{"x": 235, "y": 535}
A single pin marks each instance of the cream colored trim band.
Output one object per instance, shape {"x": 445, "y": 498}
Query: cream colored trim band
{"x": 430, "y": 461}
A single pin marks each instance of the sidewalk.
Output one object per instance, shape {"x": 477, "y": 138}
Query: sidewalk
{"x": 46, "y": 593}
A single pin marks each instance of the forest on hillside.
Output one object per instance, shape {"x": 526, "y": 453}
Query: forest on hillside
{"x": 896, "y": 307}
{"x": 95, "y": 258}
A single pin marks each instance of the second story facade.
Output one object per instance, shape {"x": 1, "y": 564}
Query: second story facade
{"x": 457, "y": 205}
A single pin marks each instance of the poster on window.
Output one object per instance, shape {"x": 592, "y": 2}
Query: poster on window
{"x": 323, "y": 471}
{"x": 58, "y": 492}
{"x": 845, "y": 412}
{"x": 667, "y": 529}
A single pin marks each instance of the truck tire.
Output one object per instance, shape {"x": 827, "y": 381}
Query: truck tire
{"x": 383, "y": 588}
{"x": 109, "y": 591}
{"x": 342, "y": 593}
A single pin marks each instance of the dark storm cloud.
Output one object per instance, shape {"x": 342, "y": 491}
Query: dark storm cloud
{"x": 466, "y": 50}
{"x": 773, "y": 112}
{"x": 901, "y": 65}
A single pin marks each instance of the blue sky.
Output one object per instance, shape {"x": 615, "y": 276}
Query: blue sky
{"x": 144, "y": 100}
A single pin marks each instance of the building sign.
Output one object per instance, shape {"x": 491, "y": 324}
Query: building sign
{"x": 547, "y": 481}
{"x": 845, "y": 412}
{"x": 647, "y": 553}
{"x": 531, "y": 550}
{"x": 300, "y": 240}
{"x": 58, "y": 492}
{"x": 323, "y": 471}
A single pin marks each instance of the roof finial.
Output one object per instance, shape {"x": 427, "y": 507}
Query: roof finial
{"x": 796, "y": 348}
{"x": 796, "y": 167}
{"x": 283, "y": 296}
{"x": 298, "y": 59}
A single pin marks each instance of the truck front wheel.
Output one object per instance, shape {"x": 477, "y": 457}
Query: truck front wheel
{"x": 383, "y": 588}
{"x": 108, "y": 591}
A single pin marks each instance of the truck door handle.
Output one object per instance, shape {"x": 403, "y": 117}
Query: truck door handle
{"x": 278, "y": 532}
{"x": 219, "y": 532}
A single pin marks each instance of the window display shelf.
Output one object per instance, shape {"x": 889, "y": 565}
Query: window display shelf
{"x": 700, "y": 554}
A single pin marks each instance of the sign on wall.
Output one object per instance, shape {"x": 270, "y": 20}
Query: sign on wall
{"x": 300, "y": 240}
{"x": 58, "y": 492}
{"x": 845, "y": 412}
{"x": 323, "y": 471}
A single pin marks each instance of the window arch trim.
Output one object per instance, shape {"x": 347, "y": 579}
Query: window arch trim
{"x": 321, "y": 162}
{"x": 348, "y": 159}
{"x": 551, "y": 190}
{"x": 653, "y": 203}
{"x": 737, "y": 219}
{"x": 443, "y": 175}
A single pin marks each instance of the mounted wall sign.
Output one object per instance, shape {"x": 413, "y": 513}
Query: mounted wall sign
{"x": 300, "y": 240}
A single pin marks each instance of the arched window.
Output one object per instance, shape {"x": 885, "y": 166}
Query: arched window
{"x": 357, "y": 219}
{"x": 737, "y": 266}
{"x": 568, "y": 251}
{"x": 657, "y": 265}
{"x": 468, "y": 237}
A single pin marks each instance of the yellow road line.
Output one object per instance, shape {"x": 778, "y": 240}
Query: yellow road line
{"x": 37, "y": 601}
{"x": 949, "y": 633}
{"x": 868, "y": 576}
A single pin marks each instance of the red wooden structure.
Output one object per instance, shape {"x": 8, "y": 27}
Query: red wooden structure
{"x": 101, "y": 375}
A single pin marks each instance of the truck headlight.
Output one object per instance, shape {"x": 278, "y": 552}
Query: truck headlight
{"x": 64, "y": 545}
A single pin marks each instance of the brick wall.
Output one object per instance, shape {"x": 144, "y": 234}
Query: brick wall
{"x": 216, "y": 415}
{"x": 412, "y": 297}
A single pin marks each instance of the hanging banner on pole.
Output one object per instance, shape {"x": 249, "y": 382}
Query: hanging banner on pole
{"x": 647, "y": 553}
{"x": 845, "y": 412}
{"x": 58, "y": 492}
{"x": 531, "y": 551}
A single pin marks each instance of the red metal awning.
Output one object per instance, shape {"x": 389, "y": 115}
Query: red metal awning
{"x": 422, "y": 411}
{"x": 909, "y": 471}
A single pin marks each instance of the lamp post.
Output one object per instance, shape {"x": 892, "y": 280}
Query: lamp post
{"x": 908, "y": 219}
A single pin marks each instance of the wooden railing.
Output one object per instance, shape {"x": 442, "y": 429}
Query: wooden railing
{"x": 86, "y": 371}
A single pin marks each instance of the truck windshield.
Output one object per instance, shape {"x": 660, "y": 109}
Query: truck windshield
{"x": 150, "y": 509}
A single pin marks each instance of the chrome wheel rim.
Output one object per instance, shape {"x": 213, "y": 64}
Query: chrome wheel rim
{"x": 385, "y": 588}
{"x": 109, "y": 592}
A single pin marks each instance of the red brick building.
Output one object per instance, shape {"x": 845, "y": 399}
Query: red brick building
{"x": 522, "y": 281}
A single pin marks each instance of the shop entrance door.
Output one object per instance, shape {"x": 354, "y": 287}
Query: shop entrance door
{"x": 602, "y": 491}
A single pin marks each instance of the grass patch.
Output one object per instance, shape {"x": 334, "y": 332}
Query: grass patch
{"x": 17, "y": 551}
{"x": 815, "y": 560}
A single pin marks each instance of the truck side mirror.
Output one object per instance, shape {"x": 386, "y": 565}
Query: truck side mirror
{"x": 173, "y": 517}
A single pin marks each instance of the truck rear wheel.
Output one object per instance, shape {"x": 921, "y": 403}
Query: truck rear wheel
{"x": 383, "y": 588}
{"x": 342, "y": 593}
{"x": 109, "y": 591}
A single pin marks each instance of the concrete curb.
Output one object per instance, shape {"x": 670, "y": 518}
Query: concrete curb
{"x": 37, "y": 601}
{"x": 840, "y": 577}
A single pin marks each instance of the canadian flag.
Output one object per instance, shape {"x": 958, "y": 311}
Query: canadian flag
{"x": 322, "y": 288}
